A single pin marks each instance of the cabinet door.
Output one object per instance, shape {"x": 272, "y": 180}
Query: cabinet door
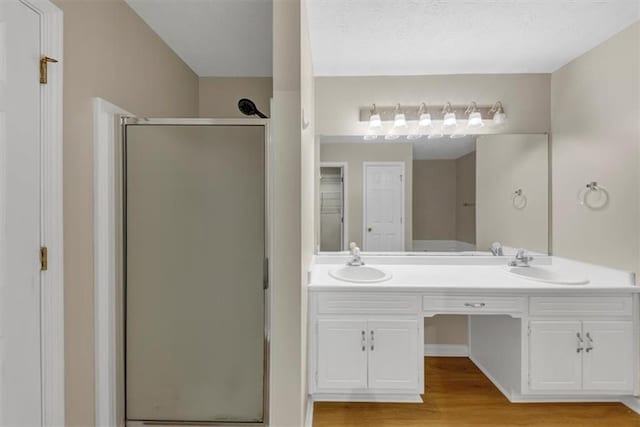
{"x": 555, "y": 355}
{"x": 608, "y": 357}
{"x": 393, "y": 354}
{"x": 342, "y": 354}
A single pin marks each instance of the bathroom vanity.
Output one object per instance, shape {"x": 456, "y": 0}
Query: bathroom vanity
{"x": 536, "y": 339}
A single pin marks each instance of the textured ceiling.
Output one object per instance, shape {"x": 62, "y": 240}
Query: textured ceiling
{"x": 413, "y": 37}
{"x": 214, "y": 37}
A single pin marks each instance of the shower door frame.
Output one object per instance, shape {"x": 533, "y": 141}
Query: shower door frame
{"x": 121, "y": 208}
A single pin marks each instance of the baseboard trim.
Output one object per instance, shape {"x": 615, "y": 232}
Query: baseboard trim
{"x": 631, "y": 402}
{"x": 446, "y": 350}
{"x": 308, "y": 418}
{"x": 373, "y": 397}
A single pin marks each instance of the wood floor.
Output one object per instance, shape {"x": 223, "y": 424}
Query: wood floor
{"x": 458, "y": 394}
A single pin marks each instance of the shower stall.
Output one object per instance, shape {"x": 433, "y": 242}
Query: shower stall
{"x": 195, "y": 271}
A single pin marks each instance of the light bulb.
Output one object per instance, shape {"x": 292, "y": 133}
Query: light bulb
{"x": 425, "y": 120}
{"x": 449, "y": 120}
{"x": 399, "y": 121}
{"x": 475, "y": 120}
{"x": 375, "y": 122}
{"x": 499, "y": 118}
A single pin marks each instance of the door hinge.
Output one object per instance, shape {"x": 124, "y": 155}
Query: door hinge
{"x": 528, "y": 330}
{"x": 44, "y": 259}
{"x": 400, "y": 178}
{"x": 265, "y": 272}
{"x": 43, "y": 68}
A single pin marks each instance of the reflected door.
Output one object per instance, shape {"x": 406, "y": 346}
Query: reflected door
{"x": 383, "y": 207}
{"x": 195, "y": 240}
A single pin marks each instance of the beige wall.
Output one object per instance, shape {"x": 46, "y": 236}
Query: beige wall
{"x": 218, "y": 96}
{"x": 504, "y": 164}
{"x": 434, "y": 199}
{"x": 111, "y": 53}
{"x": 446, "y": 329}
{"x": 525, "y": 97}
{"x": 466, "y": 193}
{"x": 288, "y": 342}
{"x": 356, "y": 153}
{"x": 596, "y": 137}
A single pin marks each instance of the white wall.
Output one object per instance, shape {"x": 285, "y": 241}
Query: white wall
{"x": 354, "y": 154}
{"x": 525, "y": 97}
{"x": 505, "y": 163}
{"x": 596, "y": 137}
{"x": 308, "y": 174}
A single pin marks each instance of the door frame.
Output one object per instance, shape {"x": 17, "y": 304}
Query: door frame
{"x": 345, "y": 203}
{"x": 51, "y": 281}
{"x": 365, "y": 165}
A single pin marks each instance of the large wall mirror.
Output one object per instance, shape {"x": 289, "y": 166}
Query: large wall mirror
{"x": 436, "y": 196}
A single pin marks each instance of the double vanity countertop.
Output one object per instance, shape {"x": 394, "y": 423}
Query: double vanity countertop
{"x": 469, "y": 274}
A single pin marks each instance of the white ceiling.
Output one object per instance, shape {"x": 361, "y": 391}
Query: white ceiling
{"x": 416, "y": 37}
{"x": 214, "y": 37}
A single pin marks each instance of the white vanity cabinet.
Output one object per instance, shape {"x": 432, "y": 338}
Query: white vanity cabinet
{"x": 366, "y": 346}
{"x": 581, "y": 345}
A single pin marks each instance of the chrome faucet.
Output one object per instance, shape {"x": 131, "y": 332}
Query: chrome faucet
{"x": 496, "y": 249}
{"x": 356, "y": 261}
{"x": 522, "y": 259}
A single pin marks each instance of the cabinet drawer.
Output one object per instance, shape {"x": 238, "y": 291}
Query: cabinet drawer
{"x": 584, "y": 306}
{"x": 473, "y": 304}
{"x": 348, "y": 303}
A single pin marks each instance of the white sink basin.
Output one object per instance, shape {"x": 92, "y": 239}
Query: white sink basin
{"x": 547, "y": 275}
{"x": 362, "y": 274}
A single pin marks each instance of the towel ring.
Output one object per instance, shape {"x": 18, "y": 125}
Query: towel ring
{"x": 518, "y": 199}
{"x": 593, "y": 196}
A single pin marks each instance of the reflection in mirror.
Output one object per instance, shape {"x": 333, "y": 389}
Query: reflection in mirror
{"x": 446, "y": 195}
{"x": 332, "y": 237}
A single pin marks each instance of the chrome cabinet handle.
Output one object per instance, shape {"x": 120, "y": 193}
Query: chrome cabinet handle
{"x": 589, "y": 343}
{"x": 372, "y": 341}
{"x": 364, "y": 341}
{"x": 474, "y": 304}
{"x": 580, "y": 343}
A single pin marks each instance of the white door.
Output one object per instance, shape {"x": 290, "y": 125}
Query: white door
{"x": 342, "y": 354}
{"x": 393, "y": 355}
{"x": 383, "y": 207}
{"x": 608, "y": 357}
{"x": 20, "y": 373}
{"x": 555, "y": 355}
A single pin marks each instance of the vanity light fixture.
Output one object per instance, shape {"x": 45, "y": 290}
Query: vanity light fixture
{"x": 499, "y": 116}
{"x": 375, "y": 125}
{"x": 449, "y": 120}
{"x": 424, "y": 123}
{"x": 375, "y": 121}
{"x": 475, "y": 118}
{"x": 399, "y": 124}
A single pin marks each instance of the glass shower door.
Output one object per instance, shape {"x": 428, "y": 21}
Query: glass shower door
{"x": 194, "y": 272}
